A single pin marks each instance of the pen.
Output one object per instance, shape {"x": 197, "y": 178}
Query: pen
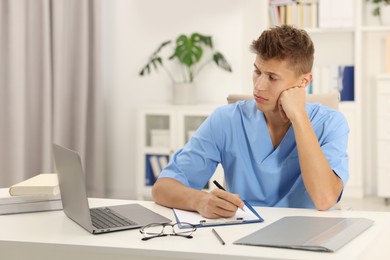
{"x": 218, "y": 236}
{"x": 219, "y": 186}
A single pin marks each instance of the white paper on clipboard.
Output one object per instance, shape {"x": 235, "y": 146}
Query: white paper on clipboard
{"x": 194, "y": 218}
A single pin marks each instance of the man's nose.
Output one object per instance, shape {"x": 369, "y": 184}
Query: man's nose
{"x": 260, "y": 83}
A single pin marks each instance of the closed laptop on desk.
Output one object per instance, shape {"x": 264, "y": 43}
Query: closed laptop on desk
{"x": 308, "y": 233}
{"x": 75, "y": 202}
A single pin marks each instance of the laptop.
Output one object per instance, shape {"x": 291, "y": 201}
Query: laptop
{"x": 75, "y": 202}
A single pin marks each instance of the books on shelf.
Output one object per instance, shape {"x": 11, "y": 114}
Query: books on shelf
{"x": 41, "y": 184}
{"x": 331, "y": 78}
{"x": 23, "y": 204}
{"x": 302, "y": 14}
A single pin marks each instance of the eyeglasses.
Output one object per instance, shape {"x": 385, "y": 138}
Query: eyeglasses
{"x": 158, "y": 230}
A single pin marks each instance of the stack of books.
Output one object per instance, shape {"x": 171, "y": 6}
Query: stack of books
{"x": 39, "y": 193}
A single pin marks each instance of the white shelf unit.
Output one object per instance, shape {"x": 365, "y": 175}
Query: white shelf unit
{"x": 177, "y": 123}
{"x": 383, "y": 135}
{"x": 373, "y": 63}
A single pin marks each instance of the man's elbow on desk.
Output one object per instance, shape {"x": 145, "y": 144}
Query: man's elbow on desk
{"x": 325, "y": 202}
{"x": 158, "y": 192}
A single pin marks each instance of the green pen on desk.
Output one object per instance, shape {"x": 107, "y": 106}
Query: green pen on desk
{"x": 219, "y": 186}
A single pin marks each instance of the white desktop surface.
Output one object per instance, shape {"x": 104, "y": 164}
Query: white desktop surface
{"x": 51, "y": 235}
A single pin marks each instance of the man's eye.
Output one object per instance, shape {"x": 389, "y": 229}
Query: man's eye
{"x": 257, "y": 72}
{"x": 271, "y": 78}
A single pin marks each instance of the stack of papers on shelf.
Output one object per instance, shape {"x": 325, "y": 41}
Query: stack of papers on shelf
{"x": 22, "y": 204}
{"x": 41, "y": 184}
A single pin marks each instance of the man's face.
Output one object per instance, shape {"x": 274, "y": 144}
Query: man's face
{"x": 270, "y": 79}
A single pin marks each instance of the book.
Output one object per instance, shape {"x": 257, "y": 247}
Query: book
{"x": 41, "y": 184}
{"x": 23, "y": 204}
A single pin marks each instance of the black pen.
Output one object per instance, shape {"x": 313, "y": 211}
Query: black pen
{"x": 218, "y": 236}
{"x": 219, "y": 186}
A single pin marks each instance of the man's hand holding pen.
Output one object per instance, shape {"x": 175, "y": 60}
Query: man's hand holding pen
{"x": 219, "y": 204}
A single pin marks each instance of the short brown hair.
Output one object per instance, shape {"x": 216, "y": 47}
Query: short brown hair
{"x": 286, "y": 43}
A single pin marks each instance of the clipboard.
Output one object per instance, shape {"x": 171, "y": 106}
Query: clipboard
{"x": 241, "y": 217}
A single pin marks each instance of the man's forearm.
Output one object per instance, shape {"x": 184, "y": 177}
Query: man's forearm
{"x": 172, "y": 193}
{"x": 322, "y": 184}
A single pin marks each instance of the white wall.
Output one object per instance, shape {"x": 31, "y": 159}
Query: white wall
{"x": 132, "y": 30}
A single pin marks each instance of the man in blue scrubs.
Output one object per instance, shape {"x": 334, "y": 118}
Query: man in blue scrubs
{"x": 276, "y": 150}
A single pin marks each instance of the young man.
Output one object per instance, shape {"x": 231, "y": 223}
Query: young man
{"x": 275, "y": 150}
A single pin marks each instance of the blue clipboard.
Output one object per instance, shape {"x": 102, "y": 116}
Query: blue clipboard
{"x": 241, "y": 217}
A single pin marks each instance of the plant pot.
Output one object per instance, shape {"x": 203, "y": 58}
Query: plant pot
{"x": 184, "y": 94}
{"x": 385, "y": 14}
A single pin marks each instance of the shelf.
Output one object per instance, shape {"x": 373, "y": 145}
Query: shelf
{"x": 157, "y": 150}
{"x": 169, "y": 126}
{"x": 329, "y": 30}
{"x": 383, "y": 76}
{"x": 376, "y": 29}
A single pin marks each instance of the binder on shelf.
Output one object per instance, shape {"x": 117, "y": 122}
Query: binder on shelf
{"x": 154, "y": 164}
{"x": 41, "y": 184}
{"x": 347, "y": 88}
{"x": 163, "y": 160}
{"x": 241, "y": 217}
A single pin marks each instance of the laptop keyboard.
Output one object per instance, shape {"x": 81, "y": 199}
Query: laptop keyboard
{"x": 106, "y": 218}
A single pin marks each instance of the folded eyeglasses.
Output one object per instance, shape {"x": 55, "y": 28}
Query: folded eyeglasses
{"x": 153, "y": 230}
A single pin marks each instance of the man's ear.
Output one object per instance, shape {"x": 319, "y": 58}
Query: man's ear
{"x": 306, "y": 79}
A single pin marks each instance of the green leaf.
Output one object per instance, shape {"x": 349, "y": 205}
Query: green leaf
{"x": 221, "y": 62}
{"x": 154, "y": 60}
{"x": 188, "y": 50}
{"x": 206, "y": 40}
{"x": 162, "y": 45}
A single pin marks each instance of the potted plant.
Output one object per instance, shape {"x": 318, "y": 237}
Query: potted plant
{"x": 382, "y": 9}
{"x": 191, "y": 55}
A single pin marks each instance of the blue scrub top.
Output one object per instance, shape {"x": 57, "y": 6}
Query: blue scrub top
{"x": 237, "y": 137}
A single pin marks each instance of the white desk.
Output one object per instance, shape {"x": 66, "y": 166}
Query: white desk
{"x": 51, "y": 235}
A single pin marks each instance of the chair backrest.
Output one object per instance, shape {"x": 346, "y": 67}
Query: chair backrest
{"x": 331, "y": 100}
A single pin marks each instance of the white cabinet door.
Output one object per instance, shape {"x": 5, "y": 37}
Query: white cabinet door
{"x": 383, "y": 135}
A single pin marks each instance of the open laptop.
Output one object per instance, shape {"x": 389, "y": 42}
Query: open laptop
{"x": 75, "y": 202}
